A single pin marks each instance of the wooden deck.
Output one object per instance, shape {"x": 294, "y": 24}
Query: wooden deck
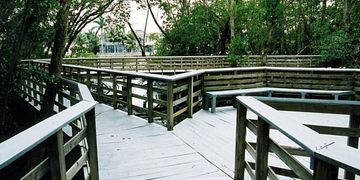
{"x": 131, "y": 148}
{"x": 199, "y": 148}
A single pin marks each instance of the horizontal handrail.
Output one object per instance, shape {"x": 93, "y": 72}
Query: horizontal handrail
{"x": 21, "y": 143}
{"x": 186, "y": 63}
{"x": 80, "y": 111}
{"x": 320, "y": 147}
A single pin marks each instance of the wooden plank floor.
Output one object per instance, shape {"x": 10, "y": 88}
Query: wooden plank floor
{"x": 131, "y": 148}
{"x": 202, "y": 147}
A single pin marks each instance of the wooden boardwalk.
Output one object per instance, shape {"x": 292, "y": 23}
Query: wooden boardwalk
{"x": 202, "y": 147}
{"x": 131, "y": 148}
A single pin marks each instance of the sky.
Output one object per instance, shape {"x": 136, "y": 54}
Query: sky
{"x": 138, "y": 17}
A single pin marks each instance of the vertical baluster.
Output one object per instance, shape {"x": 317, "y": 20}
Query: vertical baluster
{"x": 98, "y": 87}
{"x": 88, "y": 79}
{"x": 353, "y": 141}
{"x": 129, "y": 95}
{"x": 92, "y": 144}
{"x": 190, "y": 96}
{"x": 150, "y": 99}
{"x": 115, "y": 98}
{"x": 57, "y": 156}
{"x": 240, "y": 142}
{"x": 170, "y": 105}
{"x": 262, "y": 150}
{"x": 325, "y": 171}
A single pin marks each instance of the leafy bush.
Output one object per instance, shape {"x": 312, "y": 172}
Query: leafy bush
{"x": 237, "y": 49}
{"x": 335, "y": 49}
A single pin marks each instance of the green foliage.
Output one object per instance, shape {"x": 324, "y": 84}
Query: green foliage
{"x": 196, "y": 34}
{"x": 335, "y": 48}
{"x": 85, "y": 44}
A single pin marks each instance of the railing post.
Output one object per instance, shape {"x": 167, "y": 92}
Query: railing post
{"x": 150, "y": 100}
{"x": 325, "y": 171}
{"x": 129, "y": 95}
{"x": 240, "y": 145}
{"x": 190, "y": 96}
{"x": 78, "y": 77}
{"x": 92, "y": 144}
{"x": 353, "y": 141}
{"x": 170, "y": 105}
{"x": 57, "y": 156}
{"x": 262, "y": 149}
{"x": 136, "y": 64}
{"x": 114, "y": 91}
{"x": 88, "y": 78}
{"x": 98, "y": 87}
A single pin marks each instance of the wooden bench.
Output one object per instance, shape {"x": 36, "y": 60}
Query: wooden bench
{"x": 212, "y": 95}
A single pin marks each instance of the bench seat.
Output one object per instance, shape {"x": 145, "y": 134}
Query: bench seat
{"x": 212, "y": 95}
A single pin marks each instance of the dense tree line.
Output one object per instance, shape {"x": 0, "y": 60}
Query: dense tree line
{"x": 46, "y": 28}
{"x": 326, "y": 27}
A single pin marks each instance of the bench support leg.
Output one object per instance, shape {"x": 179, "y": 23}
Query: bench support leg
{"x": 206, "y": 103}
{"x": 303, "y": 95}
{"x": 213, "y": 104}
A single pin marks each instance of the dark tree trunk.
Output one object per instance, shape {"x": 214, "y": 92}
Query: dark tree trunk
{"x": 137, "y": 40}
{"x": 346, "y": 11}
{"x": 56, "y": 58}
{"x": 158, "y": 25}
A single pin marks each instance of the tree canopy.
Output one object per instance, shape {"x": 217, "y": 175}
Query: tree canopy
{"x": 330, "y": 28}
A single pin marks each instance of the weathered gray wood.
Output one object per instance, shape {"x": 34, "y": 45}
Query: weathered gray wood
{"x": 240, "y": 141}
{"x": 354, "y": 122}
{"x": 150, "y": 100}
{"x": 325, "y": 171}
{"x": 114, "y": 90}
{"x": 57, "y": 156}
{"x": 92, "y": 144}
{"x": 77, "y": 166}
{"x": 74, "y": 141}
{"x": 262, "y": 150}
{"x": 39, "y": 171}
{"x": 190, "y": 97}
{"x": 290, "y": 161}
{"x": 129, "y": 95}
{"x": 170, "y": 106}
{"x": 99, "y": 85}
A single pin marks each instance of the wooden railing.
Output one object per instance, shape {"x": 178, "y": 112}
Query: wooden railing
{"x": 326, "y": 155}
{"x": 185, "y": 63}
{"x": 167, "y": 99}
{"x": 305, "y": 78}
{"x": 70, "y": 131}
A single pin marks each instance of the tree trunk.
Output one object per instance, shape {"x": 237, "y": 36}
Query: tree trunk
{"x": 137, "y": 39}
{"x": 158, "y": 25}
{"x": 346, "y": 11}
{"x": 232, "y": 18}
{"x": 146, "y": 22}
{"x": 56, "y": 58}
